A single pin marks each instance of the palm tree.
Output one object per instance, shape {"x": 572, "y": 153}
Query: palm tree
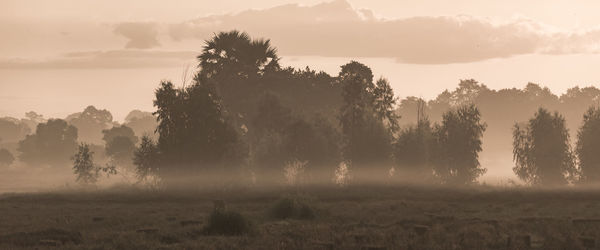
{"x": 234, "y": 53}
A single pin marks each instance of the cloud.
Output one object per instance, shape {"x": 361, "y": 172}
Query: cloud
{"x": 140, "y": 35}
{"x": 114, "y": 59}
{"x": 335, "y": 29}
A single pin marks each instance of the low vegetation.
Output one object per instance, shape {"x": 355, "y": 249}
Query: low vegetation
{"x": 365, "y": 217}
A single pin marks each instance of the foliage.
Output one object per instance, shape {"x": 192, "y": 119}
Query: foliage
{"x": 458, "y": 146}
{"x": 413, "y": 151}
{"x": 120, "y": 143}
{"x": 142, "y": 123}
{"x": 90, "y": 123}
{"x": 588, "y": 146}
{"x": 292, "y": 208}
{"x": 146, "y": 159}
{"x": 367, "y": 141}
{"x": 53, "y": 143}
{"x": 194, "y": 133}
{"x": 12, "y": 130}
{"x": 84, "y": 168}
{"x": 225, "y": 222}
{"x": 541, "y": 150}
{"x": 6, "y": 158}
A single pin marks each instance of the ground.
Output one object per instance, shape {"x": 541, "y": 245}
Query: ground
{"x": 355, "y": 217}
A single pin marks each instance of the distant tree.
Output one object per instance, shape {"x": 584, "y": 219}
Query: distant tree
{"x": 142, "y": 123}
{"x": 90, "y": 123}
{"x": 32, "y": 119}
{"x": 459, "y": 143}
{"x": 588, "y": 146}
{"x": 366, "y": 139}
{"x": 146, "y": 159}
{"x": 119, "y": 131}
{"x": 541, "y": 150}
{"x": 120, "y": 143}
{"x": 84, "y": 168}
{"x": 12, "y": 130}
{"x": 6, "y": 158}
{"x": 53, "y": 143}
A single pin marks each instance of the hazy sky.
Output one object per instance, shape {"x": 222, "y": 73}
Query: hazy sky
{"x": 56, "y": 57}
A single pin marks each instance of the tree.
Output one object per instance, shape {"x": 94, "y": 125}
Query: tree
{"x": 142, "y": 123}
{"x": 120, "y": 143}
{"x": 235, "y": 54}
{"x": 588, "y": 146}
{"x": 385, "y": 103}
{"x": 458, "y": 146}
{"x": 413, "y": 151}
{"x": 541, "y": 150}
{"x": 84, "y": 168}
{"x": 53, "y": 143}
{"x": 366, "y": 140}
{"x": 90, "y": 123}
{"x": 12, "y": 130}
{"x": 195, "y": 136}
{"x": 146, "y": 159}
{"x": 6, "y": 158}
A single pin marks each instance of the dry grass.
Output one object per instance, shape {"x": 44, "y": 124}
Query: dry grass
{"x": 350, "y": 218}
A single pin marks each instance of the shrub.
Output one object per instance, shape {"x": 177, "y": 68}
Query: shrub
{"x": 290, "y": 208}
{"x": 227, "y": 223}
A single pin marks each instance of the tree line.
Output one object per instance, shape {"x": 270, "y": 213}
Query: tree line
{"x": 245, "y": 118}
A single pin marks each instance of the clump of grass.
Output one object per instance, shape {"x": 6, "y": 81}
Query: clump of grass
{"x": 222, "y": 222}
{"x": 291, "y": 208}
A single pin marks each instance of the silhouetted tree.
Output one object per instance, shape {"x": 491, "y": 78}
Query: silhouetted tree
{"x": 6, "y": 158}
{"x": 194, "y": 134}
{"x": 367, "y": 141}
{"x": 235, "y": 54}
{"x": 146, "y": 159}
{"x": 541, "y": 150}
{"x": 588, "y": 146}
{"x": 90, "y": 123}
{"x": 84, "y": 168}
{"x": 459, "y": 143}
{"x": 413, "y": 152}
{"x": 120, "y": 143}
{"x": 53, "y": 143}
{"x": 385, "y": 104}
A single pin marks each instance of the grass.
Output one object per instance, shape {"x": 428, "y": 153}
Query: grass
{"x": 356, "y": 217}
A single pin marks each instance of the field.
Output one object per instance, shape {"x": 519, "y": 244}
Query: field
{"x": 356, "y": 217}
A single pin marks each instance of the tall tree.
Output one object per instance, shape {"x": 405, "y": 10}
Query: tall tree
{"x": 459, "y": 143}
{"x": 367, "y": 141}
{"x": 235, "y": 54}
{"x": 541, "y": 150}
{"x": 588, "y": 146}
{"x": 53, "y": 143}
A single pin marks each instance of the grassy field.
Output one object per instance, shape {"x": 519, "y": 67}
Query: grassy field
{"x": 393, "y": 217}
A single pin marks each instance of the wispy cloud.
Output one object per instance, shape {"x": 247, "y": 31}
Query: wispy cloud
{"x": 336, "y": 29}
{"x": 105, "y": 60}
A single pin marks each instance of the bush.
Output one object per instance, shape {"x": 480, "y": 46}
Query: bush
{"x": 290, "y": 208}
{"x": 227, "y": 223}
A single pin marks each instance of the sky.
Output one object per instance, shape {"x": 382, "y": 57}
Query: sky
{"x": 57, "y": 57}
